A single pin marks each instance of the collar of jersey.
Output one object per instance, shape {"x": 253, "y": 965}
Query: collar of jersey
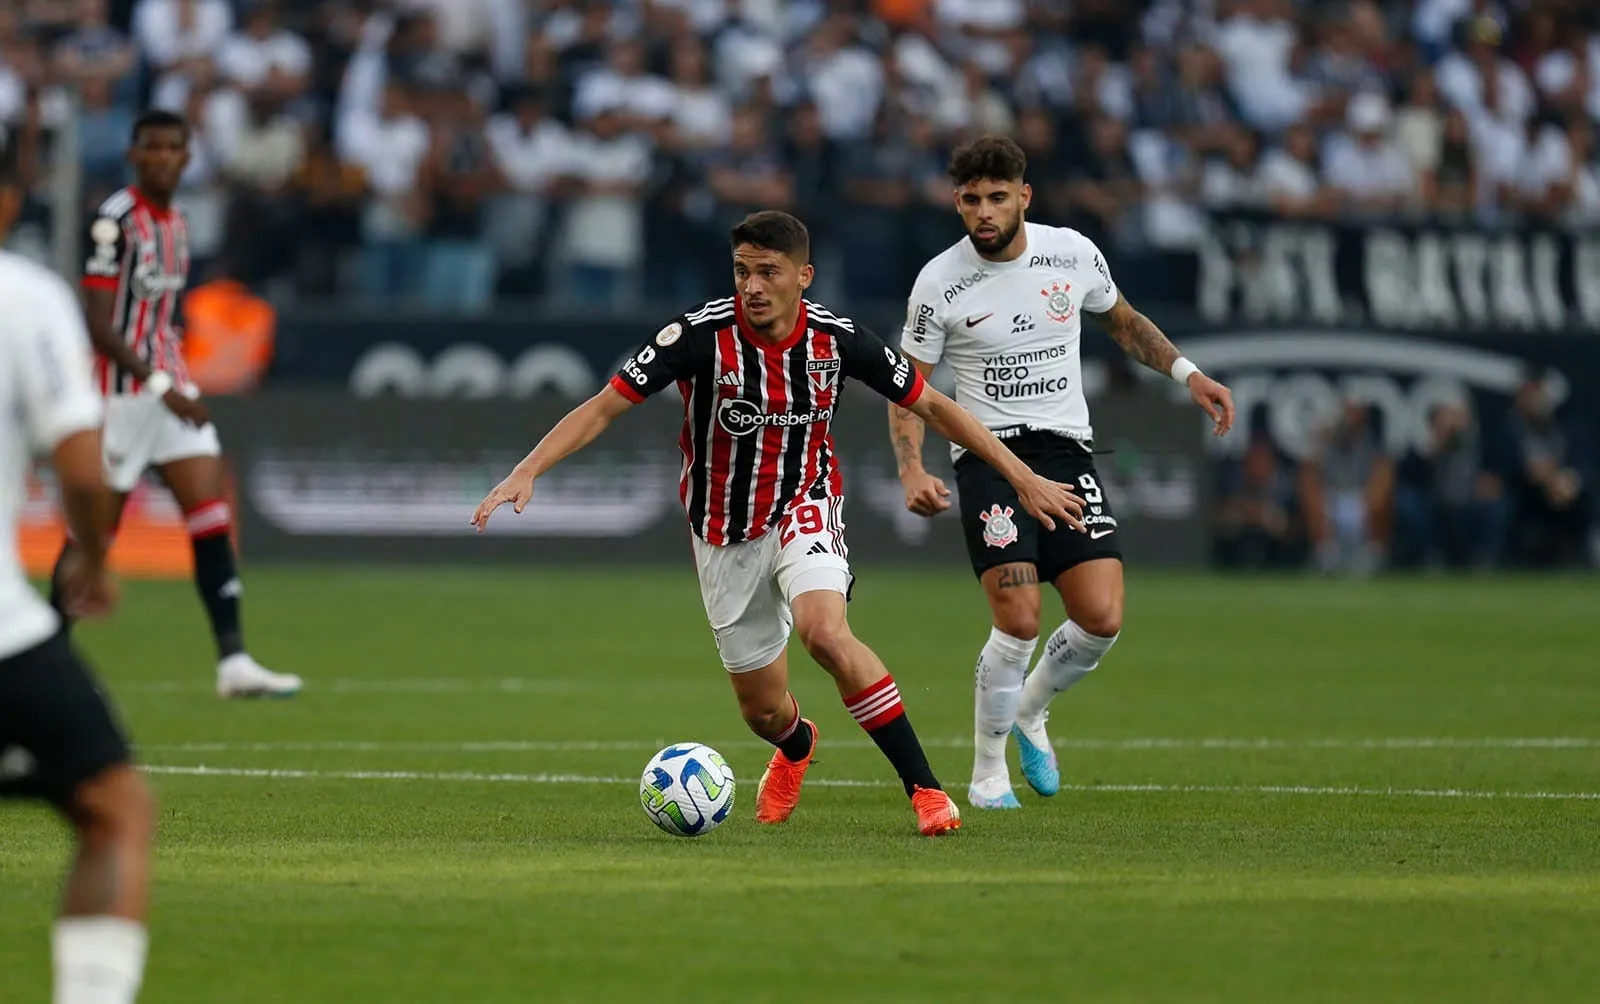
{"x": 761, "y": 343}
{"x": 159, "y": 212}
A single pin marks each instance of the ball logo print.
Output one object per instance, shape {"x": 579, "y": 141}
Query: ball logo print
{"x": 687, "y": 789}
{"x": 669, "y": 334}
{"x": 1058, "y": 305}
{"x": 999, "y": 529}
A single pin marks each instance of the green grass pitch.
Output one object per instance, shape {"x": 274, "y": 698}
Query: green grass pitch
{"x": 1282, "y": 790}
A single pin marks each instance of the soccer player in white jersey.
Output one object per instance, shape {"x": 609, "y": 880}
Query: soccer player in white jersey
{"x": 59, "y": 741}
{"x": 1003, "y": 307}
{"x": 762, "y": 375}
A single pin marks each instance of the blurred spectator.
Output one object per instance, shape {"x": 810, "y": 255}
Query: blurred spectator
{"x": 1452, "y": 191}
{"x": 1257, "y": 518}
{"x": 265, "y": 57}
{"x": 92, "y": 51}
{"x": 1481, "y": 82}
{"x": 389, "y": 148}
{"x": 103, "y": 135}
{"x": 458, "y": 178}
{"x": 1365, "y": 165}
{"x": 1550, "y": 471}
{"x": 1233, "y": 179}
{"x": 602, "y": 243}
{"x": 176, "y": 37}
{"x": 1289, "y": 178}
{"x": 1451, "y": 509}
{"x": 1347, "y": 489}
{"x": 329, "y": 197}
{"x": 531, "y": 150}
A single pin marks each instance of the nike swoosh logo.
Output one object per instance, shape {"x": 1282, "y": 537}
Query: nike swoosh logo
{"x": 1097, "y": 534}
{"x": 973, "y": 322}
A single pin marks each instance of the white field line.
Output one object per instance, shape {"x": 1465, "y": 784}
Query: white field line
{"x": 650, "y": 745}
{"x": 1160, "y": 789}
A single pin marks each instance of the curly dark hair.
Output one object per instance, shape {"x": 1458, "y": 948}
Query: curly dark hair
{"x": 988, "y": 158}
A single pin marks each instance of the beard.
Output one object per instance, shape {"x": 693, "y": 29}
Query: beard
{"x": 999, "y": 241}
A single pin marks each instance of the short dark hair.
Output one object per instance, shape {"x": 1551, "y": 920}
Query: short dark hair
{"x": 774, "y": 230}
{"x": 159, "y": 118}
{"x": 988, "y": 158}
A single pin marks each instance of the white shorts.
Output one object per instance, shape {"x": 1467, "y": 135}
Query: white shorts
{"x": 748, "y": 588}
{"x": 140, "y": 432}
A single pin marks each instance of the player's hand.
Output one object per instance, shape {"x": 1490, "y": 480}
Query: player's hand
{"x": 87, "y": 587}
{"x": 517, "y": 489}
{"x": 1047, "y": 501}
{"x": 191, "y": 409}
{"x": 1216, "y": 399}
{"x": 926, "y": 495}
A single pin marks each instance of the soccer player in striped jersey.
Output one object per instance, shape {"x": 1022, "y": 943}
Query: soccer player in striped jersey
{"x": 761, "y": 374}
{"x": 137, "y": 267}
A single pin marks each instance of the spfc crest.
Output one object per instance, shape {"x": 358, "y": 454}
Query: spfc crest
{"x": 824, "y": 373}
{"x": 999, "y": 530}
{"x": 1057, "y": 304}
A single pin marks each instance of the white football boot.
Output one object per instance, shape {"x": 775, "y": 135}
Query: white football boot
{"x": 241, "y": 676}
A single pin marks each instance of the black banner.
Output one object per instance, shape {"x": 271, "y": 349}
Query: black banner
{"x": 323, "y": 476}
{"x": 1262, "y": 270}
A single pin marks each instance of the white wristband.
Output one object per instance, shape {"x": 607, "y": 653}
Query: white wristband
{"x": 1183, "y": 369}
{"x": 159, "y": 383}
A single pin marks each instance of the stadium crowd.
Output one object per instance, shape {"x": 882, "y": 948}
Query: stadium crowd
{"x": 454, "y": 150}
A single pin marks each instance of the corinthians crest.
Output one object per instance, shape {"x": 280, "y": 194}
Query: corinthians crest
{"x": 999, "y": 530}
{"x": 1057, "y": 304}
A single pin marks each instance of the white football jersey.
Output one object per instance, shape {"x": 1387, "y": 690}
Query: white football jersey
{"x": 46, "y": 395}
{"x": 1010, "y": 331}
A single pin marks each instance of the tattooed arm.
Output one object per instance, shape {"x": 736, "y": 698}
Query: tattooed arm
{"x": 1142, "y": 340}
{"x": 926, "y": 495}
{"x": 1138, "y": 336}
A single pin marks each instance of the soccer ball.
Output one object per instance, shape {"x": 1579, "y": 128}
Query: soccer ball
{"x": 687, "y": 789}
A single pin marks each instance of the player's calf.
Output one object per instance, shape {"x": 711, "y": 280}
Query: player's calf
{"x": 100, "y": 942}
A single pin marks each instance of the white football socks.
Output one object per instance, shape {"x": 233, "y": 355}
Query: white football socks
{"x": 1001, "y": 666}
{"x": 98, "y": 960}
{"x": 1070, "y": 654}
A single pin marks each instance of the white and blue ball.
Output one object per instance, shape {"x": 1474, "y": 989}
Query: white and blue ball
{"x": 687, "y": 789}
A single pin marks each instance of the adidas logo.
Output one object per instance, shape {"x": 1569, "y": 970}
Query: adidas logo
{"x": 728, "y": 379}
{"x": 817, "y": 548}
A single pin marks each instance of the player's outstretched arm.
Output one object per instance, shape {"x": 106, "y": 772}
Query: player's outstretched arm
{"x": 926, "y": 495}
{"x": 86, "y": 504}
{"x": 581, "y": 426}
{"x": 1141, "y": 339}
{"x": 1045, "y": 500}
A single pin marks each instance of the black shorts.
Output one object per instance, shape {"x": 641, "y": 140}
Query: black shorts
{"x": 999, "y": 532}
{"x": 56, "y": 728}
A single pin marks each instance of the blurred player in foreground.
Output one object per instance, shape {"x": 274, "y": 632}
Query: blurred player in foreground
{"x": 59, "y": 741}
{"x": 761, "y": 374}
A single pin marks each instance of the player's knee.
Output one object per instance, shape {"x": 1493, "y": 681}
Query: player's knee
{"x": 1017, "y": 614}
{"x": 1018, "y": 622}
{"x": 116, "y": 806}
{"x": 828, "y": 640}
{"x": 1102, "y": 618}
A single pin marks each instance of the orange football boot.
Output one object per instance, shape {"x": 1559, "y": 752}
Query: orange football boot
{"x": 936, "y": 814}
{"x": 779, "y": 790}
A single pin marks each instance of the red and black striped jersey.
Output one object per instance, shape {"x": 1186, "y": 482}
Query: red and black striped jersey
{"x": 757, "y": 416}
{"x": 140, "y": 251}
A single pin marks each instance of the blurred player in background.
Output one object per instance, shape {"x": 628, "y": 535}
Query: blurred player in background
{"x": 761, "y": 375}
{"x": 1003, "y": 307}
{"x": 59, "y": 741}
{"x": 137, "y": 268}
